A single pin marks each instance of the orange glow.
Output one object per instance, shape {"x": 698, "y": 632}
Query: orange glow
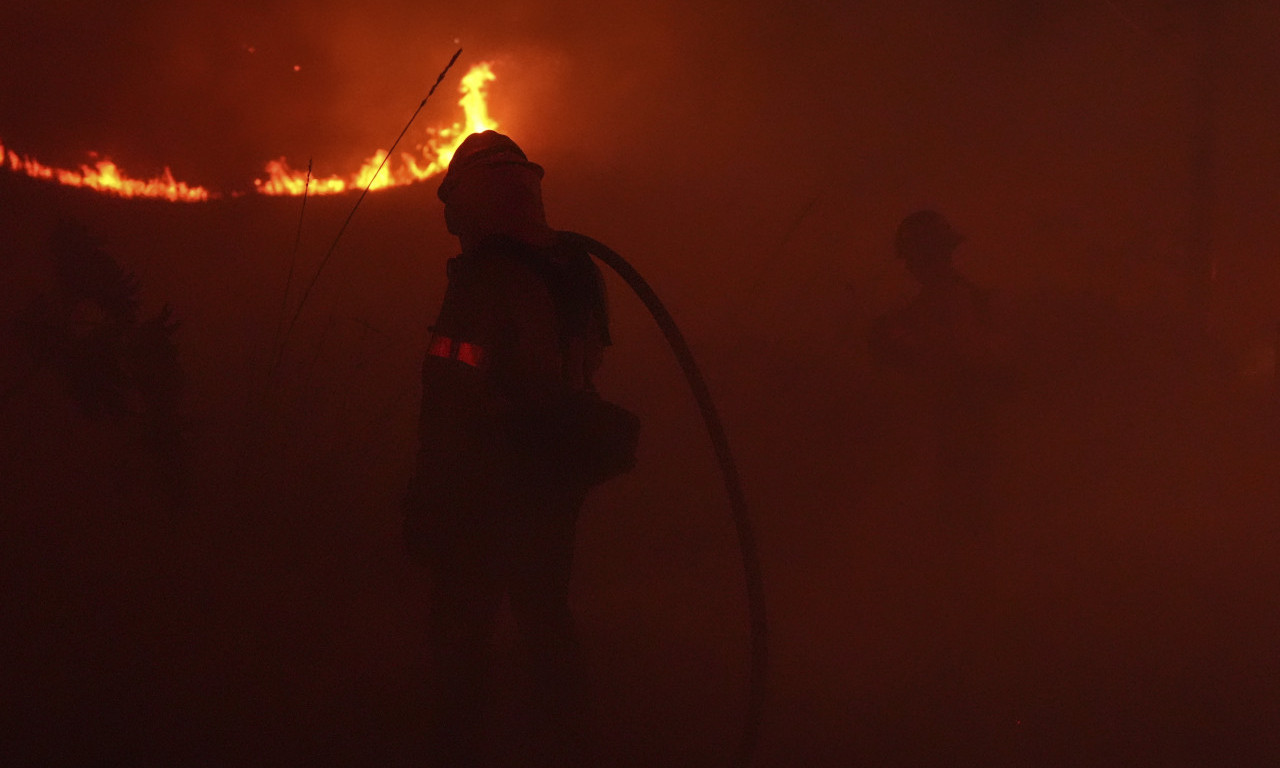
{"x": 106, "y": 176}
{"x": 429, "y": 158}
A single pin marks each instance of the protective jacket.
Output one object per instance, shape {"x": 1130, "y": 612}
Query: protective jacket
{"x": 508, "y": 402}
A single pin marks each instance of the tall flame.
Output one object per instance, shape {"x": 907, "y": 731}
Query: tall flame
{"x": 432, "y": 156}
{"x": 429, "y": 158}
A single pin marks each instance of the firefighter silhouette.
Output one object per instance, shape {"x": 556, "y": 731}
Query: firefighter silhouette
{"x": 512, "y": 438}
{"x": 945, "y": 340}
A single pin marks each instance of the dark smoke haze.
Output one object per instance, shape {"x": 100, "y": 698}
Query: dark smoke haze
{"x": 1056, "y": 120}
{"x": 753, "y": 160}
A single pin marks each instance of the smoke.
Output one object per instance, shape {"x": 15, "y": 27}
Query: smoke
{"x": 966, "y": 101}
{"x": 752, "y": 159}
{"x": 215, "y": 93}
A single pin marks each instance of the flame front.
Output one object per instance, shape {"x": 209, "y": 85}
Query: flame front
{"x": 430, "y": 157}
{"x": 106, "y": 176}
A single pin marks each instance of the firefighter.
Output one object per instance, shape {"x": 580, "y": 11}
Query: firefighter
{"x": 512, "y": 437}
{"x": 946, "y": 341}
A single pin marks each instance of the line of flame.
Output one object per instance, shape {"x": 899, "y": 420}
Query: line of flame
{"x": 106, "y": 176}
{"x": 432, "y": 157}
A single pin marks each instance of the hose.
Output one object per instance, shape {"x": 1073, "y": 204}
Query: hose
{"x": 732, "y": 483}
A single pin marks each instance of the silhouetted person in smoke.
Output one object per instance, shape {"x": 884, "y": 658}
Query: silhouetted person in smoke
{"x": 506, "y": 457}
{"x": 944, "y": 338}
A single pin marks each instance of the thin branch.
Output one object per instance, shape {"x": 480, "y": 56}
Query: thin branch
{"x": 333, "y": 246}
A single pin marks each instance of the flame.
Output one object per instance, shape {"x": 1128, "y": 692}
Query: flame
{"x": 432, "y": 156}
{"x": 106, "y": 176}
{"x": 429, "y": 158}
{"x": 282, "y": 180}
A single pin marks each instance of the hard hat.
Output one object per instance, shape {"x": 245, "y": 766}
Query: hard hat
{"x": 926, "y": 233}
{"x": 486, "y": 149}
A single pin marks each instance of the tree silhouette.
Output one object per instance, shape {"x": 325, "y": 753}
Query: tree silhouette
{"x": 115, "y": 366}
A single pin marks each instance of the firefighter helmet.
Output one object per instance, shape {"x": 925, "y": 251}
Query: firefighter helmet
{"x": 926, "y": 234}
{"x": 483, "y": 150}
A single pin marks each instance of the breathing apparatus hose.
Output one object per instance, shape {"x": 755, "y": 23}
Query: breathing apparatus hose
{"x": 732, "y": 484}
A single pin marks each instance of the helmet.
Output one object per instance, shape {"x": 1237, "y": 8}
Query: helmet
{"x": 483, "y": 150}
{"x": 926, "y": 234}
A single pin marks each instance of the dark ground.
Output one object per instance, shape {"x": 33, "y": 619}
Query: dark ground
{"x": 1123, "y": 611}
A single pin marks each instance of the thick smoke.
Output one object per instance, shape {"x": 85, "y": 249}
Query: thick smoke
{"x": 753, "y": 160}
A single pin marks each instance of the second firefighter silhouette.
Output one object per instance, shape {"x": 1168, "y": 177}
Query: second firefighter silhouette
{"x": 945, "y": 339}
{"x": 513, "y": 435}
